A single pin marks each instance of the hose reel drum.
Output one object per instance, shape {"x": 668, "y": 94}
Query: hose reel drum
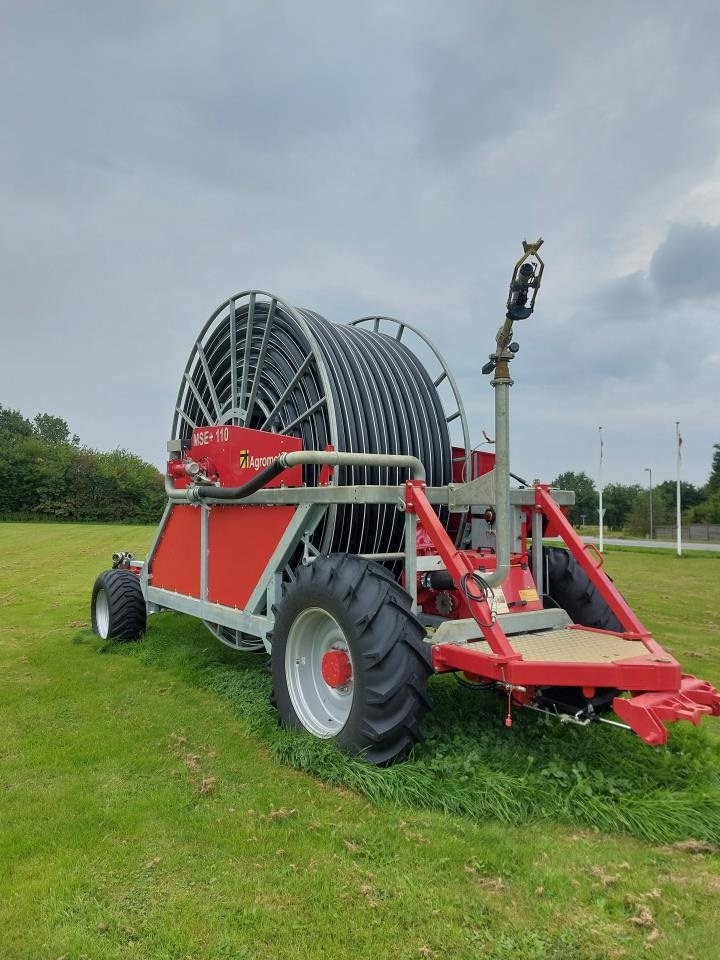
{"x": 262, "y": 364}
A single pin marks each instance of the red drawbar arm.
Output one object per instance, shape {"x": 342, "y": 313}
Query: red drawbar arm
{"x": 660, "y": 694}
{"x": 559, "y": 524}
{"x": 648, "y": 713}
{"x": 458, "y": 565}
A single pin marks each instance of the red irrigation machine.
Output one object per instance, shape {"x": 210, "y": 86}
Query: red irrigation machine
{"x": 326, "y": 506}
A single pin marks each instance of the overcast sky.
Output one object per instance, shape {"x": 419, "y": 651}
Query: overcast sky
{"x": 357, "y": 158}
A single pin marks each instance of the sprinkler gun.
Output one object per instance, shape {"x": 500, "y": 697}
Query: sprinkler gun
{"x": 524, "y": 285}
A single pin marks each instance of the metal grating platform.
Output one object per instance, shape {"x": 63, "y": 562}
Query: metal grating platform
{"x": 570, "y": 646}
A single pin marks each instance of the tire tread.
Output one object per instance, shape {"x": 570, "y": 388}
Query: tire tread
{"x": 570, "y": 587}
{"x": 126, "y": 604}
{"x": 384, "y": 724}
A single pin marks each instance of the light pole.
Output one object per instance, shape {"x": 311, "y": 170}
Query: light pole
{"x": 648, "y": 470}
{"x": 678, "y": 504}
{"x": 601, "y": 512}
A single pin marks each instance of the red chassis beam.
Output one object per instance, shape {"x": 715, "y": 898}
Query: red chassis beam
{"x": 459, "y": 567}
{"x": 663, "y": 694}
{"x": 655, "y": 670}
{"x": 558, "y": 524}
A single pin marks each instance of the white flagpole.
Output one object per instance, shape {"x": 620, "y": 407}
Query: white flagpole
{"x": 678, "y": 505}
{"x": 601, "y": 512}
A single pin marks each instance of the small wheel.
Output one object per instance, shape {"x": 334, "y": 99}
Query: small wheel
{"x": 117, "y": 608}
{"x": 348, "y": 659}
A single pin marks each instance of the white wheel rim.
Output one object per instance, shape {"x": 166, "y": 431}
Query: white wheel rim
{"x": 322, "y": 709}
{"x": 102, "y": 614}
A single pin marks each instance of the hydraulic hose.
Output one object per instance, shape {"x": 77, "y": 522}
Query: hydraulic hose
{"x": 259, "y": 481}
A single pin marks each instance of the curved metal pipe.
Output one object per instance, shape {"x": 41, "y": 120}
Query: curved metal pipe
{"x": 296, "y": 458}
{"x": 340, "y": 459}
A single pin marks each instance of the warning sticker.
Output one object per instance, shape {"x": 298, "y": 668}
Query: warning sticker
{"x": 499, "y": 604}
{"x": 529, "y": 595}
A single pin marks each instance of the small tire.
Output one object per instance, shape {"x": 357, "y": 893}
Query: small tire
{"x": 117, "y": 608}
{"x": 570, "y": 588}
{"x": 348, "y": 659}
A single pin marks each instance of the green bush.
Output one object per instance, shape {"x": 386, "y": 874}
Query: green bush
{"x": 46, "y": 475}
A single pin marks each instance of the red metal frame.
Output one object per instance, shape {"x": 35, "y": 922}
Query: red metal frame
{"x": 661, "y": 693}
{"x": 458, "y": 566}
{"x": 559, "y": 525}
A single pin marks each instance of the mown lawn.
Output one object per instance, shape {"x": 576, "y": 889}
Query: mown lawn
{"x": 145, "y": 812}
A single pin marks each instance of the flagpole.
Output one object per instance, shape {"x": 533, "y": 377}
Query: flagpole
{"x": 678, "y": 505}
{"x": 600, "y": 491}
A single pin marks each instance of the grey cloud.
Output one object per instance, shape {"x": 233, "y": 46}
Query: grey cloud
{"x": 625, "y": 299}
{"x": 685, "y": 266}
{"x": 385, "y": 157}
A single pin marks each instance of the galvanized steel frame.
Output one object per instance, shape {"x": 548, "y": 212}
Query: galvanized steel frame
{"x": 311, "y": 503}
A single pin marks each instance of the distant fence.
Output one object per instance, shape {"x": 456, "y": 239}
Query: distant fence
{"x": 693, "y": 532}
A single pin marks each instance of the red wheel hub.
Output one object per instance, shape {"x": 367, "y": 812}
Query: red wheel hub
{"x": 336, "y": 668}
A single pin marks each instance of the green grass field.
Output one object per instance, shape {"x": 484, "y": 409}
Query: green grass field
{"x": 150, "y": 807}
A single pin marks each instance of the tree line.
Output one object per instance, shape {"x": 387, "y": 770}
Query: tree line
{"x": 627, "y": 506}
{"x": 47, "y": 474}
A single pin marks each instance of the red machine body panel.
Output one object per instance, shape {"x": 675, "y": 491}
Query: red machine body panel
{"x": 481, "y": 462}
{"x": 240, "y": 544}
{"x": 517, "y": 595}
{"x": 233, "y": 455}
{"x": 176, "y": 561}
{"x": 240, "y": 453}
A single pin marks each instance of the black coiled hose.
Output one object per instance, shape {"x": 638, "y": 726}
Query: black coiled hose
{"x": 262, "y": 364}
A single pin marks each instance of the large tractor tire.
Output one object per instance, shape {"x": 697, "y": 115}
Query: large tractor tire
{"x": 117, "y": 608}
{"x": 569, "y": 587}
{"x": 348, "y": 659}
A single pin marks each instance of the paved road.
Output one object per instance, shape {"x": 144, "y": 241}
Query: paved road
{"x": 664, "y": 544}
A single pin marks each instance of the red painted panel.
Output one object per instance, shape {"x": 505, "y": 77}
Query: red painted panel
{"x": 176, "y": 564}
{"x": 241, "y": 540}
{"x": 239, "y": 453}
{"x": 480, "y": 462}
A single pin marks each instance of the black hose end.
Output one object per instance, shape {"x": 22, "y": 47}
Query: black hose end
{"x": 259, "y": 481}
{"x": 438, "y": 580}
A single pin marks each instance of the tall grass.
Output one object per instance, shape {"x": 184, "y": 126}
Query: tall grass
{"x": 472, "y": 765}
